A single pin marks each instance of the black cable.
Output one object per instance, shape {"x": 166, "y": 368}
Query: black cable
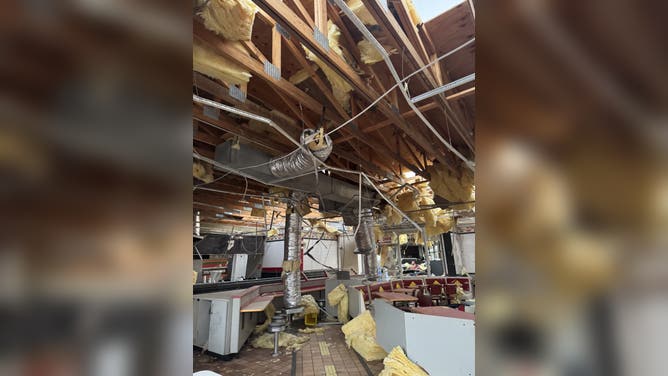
{"x": 308, "y": 253}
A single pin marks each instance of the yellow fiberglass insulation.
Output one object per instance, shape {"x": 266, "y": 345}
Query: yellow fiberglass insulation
{"x": 393, "y": 216}
{"x": 361, "y": 12}
{"x": 369, "y": 53}
{"x": 360, "y": 334}
{"x": 412, "y": 12}
{"x": 311, "y": 330}
{"x": 454, "y": 187}
{"x": 398, "y": 364}
{"x": 233, "y": 19}
{"x": 378, "y": 233}
{"x": 444, "y": 223}
{"x": 269, "y": 312}
{"x": 211, "y": 64}
{"x": 410, "y": 204}
{"x": 339, "y": 297}
{"x": 340, "y": 87}
{"x": 310, "y": 305}
{"x": 202, "y": 172}
{"x": 287, "y": 340}
{"x": 322, "y": 225}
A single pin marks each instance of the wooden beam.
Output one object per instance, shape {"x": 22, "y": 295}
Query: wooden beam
{"x": 282, "y": 13}
{"x": 204, "y": 83}
{"x": 276, "y": 47}
{"x": 410, "y": 150}
{"x": 304, "y": 13}
{"x": 229, "y": 125}
{"x": 431, "y": 50}
{"x": 385, "y": 123}
{"x": 409, "y": 28}
{"x": 326, "y": 91}
{"x": 205, "y": 138}
{"x": 294, "y": 109}
{"x": 399, "y": 40}
{"x": 227, "y": 49}
{"x": 320, "y": 15}
{"x": 461, "y": 94}
{"x": 254, "y": 51}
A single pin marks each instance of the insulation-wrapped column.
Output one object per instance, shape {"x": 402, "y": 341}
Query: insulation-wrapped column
{"x": 291, "y": 253}
{"x": 366, "y": 243}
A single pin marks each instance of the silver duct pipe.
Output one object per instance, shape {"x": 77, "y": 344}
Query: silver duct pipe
{"x": 302, "y": 160}
{"x": 366, "y": 243}
{"x": 291, "y": 266}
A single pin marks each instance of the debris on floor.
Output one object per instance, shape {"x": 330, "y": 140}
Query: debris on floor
{"x": 360, "y": 334}
{"x": 398, "y": 364}
{"x": 287, "y": 340}
{"x": 311, "y": 330}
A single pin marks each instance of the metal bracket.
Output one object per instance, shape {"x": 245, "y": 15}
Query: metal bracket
{"x": 283, "y": 31}
{"x": 321, "y": 39}
{"x": 272, "y": 70}
{"x": 211, "y": 112}
{"x": 237, "y": 94}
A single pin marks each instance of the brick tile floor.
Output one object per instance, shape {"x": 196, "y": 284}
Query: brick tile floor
{"x": 310, "y": 361}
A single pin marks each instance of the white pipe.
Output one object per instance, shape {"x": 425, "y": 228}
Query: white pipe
{"x": 444, "y": 88}
{"x": 456, "y": 49}
{"x": 367, "y": 34}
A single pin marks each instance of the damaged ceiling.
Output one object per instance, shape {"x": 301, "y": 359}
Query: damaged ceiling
{"x": 264, "y": 57}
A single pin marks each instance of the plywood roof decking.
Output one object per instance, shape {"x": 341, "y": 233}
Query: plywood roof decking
{"x": 387, "y": 140}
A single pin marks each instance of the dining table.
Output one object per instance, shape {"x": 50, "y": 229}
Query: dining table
{"x": 395, "y": 297}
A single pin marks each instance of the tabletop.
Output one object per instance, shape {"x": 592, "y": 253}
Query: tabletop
{"x": 394, "y": 297}
{"x": 444, "y": 312}
{"x": 405, "y": 290}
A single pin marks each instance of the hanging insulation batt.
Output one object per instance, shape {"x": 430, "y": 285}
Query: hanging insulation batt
{"x": 369, "y": 53}
{"x": 233, "y": 19}
{"x": 398, "y": 364}
{"x": 339, "y": 297}
{"x": 213, "y": 65}
{"x": 360, "y": 334}
{"x": 410, "y": 204}
{"x": 269, "y": 312}
{"x": 340, "y": 87}
{"x": 393, "y": 216}
{"x": 361, "y": 12}
{"x": 453, "y": 188}
{"x": 412, "y": 12}
{"x": 202, "y": 172}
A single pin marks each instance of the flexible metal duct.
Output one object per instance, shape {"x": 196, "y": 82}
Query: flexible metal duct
{"x": 291, "y": 267}
{"x": 366, "y": 243}
{"x": 301, "y": 160}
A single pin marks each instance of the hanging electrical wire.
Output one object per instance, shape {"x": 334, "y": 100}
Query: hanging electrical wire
{"x": 368, "y": 36}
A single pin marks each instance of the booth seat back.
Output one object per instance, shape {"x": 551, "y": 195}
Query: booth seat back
{"x": 412, "y": 282}
{"x": 378, "y": 286}
{"x": 465, "y": 281}
{"x": 435, "y": 285}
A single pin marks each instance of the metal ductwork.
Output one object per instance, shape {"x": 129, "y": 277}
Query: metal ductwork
{"x": 366, "y": 243}
{"x": 335, "y": 194}
{"x": 291, "y": 252}
{"x": 301, "y": 161}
